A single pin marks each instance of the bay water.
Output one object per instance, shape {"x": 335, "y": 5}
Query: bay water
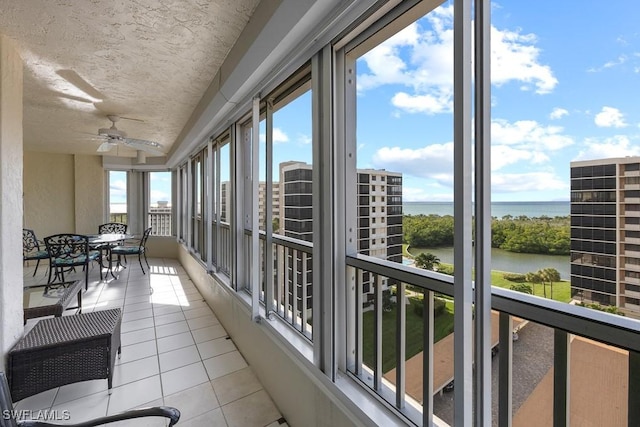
{"x": 500, "y": 259}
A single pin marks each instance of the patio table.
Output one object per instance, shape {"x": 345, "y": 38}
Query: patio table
{"x": 50, "y": 300}
{"x": 105, "y": 241}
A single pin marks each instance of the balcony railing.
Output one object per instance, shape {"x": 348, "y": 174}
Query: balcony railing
{"x": 160, "y": 223}
{"x": 395, "y": 381}
{"x": 410, "y": 382}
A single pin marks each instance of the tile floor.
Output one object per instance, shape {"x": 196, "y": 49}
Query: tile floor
{"x": 174, "y": 353}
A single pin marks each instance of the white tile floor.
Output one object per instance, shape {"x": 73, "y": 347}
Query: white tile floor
{"x": 174, "y": 353}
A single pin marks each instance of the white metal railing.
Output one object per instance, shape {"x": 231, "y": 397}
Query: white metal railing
{"x": 160, "y": 223}
{"x": 288, "y": 293}
{"x": 565, "y": 319}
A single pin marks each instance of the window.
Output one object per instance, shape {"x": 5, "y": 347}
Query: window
{"x": 118, "y": 197}
{"x": 160, "y": 217}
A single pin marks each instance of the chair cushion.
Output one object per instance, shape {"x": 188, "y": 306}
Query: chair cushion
{"x": 36, "y": 255}
{"x": 127, "y": 249}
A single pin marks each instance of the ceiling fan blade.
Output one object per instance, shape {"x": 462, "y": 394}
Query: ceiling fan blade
{"x": 145, "y": 145}
{"x": 105, "y": 147}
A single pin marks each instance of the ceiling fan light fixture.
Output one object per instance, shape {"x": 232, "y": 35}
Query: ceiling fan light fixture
{"x": 112, "y": 132}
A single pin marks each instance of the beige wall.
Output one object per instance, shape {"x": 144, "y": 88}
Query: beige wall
{"x": 63, "y": 193}
{"x": 48, "y": 193}
{"x": 89, "y": 193}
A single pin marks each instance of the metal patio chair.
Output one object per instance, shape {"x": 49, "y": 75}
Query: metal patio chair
{"x": 31, "y": 248}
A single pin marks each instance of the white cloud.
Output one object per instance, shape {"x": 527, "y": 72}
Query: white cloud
{"x": 504, "y": 155}
{"x": 609, "y": 64}
{"x": 278, "y": 135}
{"x": 558, "y": 113}
{"x": 616, "y": 146}
{"x": 420, "y": 57}
{"x": 303, "y": 139}
{"x": 610, "y": 117}
{"x": 433, "y": 161}
{"x": 423, "y": 103}
{"x": 529, "y": 134}
{"x": 522, "y": 182}
{"x": 514, "y": 57}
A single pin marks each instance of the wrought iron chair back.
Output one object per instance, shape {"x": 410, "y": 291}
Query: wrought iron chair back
{"x": 112, "y": 227}
{"x": 67, "y": 251}
{"x": 31, "y": 248}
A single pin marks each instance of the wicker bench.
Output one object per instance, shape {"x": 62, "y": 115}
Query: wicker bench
{"x": 65, "y": 350}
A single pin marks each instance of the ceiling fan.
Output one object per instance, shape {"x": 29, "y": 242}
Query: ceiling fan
{"x": 112, "y": 136}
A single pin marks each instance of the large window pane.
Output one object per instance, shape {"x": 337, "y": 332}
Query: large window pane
{"x": 118, "y": 196}
{"x": 160, "y": 209}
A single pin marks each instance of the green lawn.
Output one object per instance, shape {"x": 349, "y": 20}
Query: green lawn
{"x": 444, "y": 322}
{"x": 443, "y": 327}
{"x": 561, "y": 290}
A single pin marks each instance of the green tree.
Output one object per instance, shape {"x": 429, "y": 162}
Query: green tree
{"x": 533, "y": 278}
{"x": 549, "y": 275}
{"x": 427, "y": 261}
{"x": 522, "y": 287}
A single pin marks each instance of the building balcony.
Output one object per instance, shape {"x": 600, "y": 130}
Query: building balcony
{"x": 632, "y": 280}
{"x": 631, "y": 294}
{"x": 629, "y": 253}
{"x": 632, "y": 267}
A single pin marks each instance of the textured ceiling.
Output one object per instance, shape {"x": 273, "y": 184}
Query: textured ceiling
{"x": 147, "y": 60}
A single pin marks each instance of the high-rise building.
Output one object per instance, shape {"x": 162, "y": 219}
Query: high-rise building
{"x": 379, "y": 212}
{"x": 160, "y": 218}
{"x": 605, "y": 232}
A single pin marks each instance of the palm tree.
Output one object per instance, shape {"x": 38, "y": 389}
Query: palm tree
{"x": 550, "y": 275}
{"x": 427, "y": 261}
{"x": 533, "y": 278}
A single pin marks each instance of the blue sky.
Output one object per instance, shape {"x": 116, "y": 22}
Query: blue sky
{"x": 565, "y": 85}
{"x": 565, "y": 79}
{"x": 160, "y": 187}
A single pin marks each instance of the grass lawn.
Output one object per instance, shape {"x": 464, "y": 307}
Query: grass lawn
{"x": 414, "y": 325}
{"x": 561, "y": 290}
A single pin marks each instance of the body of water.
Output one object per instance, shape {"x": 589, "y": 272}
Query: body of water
{"x": 500, "y": 259}
{"x": 510, "y": 261}
{"x": 498, "y": 209}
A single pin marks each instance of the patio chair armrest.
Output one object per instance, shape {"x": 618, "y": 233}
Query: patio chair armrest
{"x": 158, "y": 411}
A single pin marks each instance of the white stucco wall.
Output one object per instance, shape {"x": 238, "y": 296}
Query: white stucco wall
{"x": 11, "y": 79}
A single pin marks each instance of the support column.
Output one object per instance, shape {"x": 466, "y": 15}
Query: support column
{"x": 10, "y": 195}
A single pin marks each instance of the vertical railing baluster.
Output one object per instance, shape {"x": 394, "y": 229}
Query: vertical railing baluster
{"x": 634, "y": 389}
{"x": 279, "y": 278}
{"x": 505, "y": 370}
{"x": 377, "y": 374}
{"x": 294, "y": 288}
{"x": 561, "y": 378}
{"x": 304, "y": 292}
{"x": 359, "y": 318}
{"x": 427, "y": 358}
{"x": 401, "y": 310}
{"x": 287, "y": 277}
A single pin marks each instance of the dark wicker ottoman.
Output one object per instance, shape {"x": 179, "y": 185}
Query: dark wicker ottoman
{"x": 65, "y": 350}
